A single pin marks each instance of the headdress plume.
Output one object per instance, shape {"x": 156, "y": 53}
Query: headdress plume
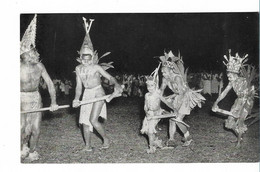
{"x": 154, "y": 77}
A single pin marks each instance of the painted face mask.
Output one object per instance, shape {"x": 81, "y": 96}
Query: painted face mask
{"x": 86, "y": 59}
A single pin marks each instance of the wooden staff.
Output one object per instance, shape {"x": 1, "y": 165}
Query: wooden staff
{"x": 108, "y": 98}
{"x": 94, "y": 100}
{"x": 172, "y": 115}
{"x": 44, "y": 109}
{"x": 225, "y": 112}
{"x": 163, "y": 116}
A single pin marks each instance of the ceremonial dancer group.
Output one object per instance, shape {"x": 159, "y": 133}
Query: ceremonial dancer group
{"x": 93, "y": 103}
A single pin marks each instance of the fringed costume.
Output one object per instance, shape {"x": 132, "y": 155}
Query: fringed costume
{"x": 184, "y": 99}
{"x": 85, "y": 110}
{"x": 245, "y": 91}
{"x": 30, "y": 101}
{"x": 240, "y": 79}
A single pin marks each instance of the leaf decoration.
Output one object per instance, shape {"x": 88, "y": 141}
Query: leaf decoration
{"x": 106, "y": 66}
{"x": 162, "y": 58}
{"x": 107, "y": 53}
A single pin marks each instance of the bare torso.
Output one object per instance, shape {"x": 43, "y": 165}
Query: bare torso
{"x": 152, "y": 101}
{"x": 89, "y": 76}
{"x": 30, "y": 75}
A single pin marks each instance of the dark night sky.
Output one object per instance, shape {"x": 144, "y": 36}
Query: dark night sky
{"x": 135, "y": 38}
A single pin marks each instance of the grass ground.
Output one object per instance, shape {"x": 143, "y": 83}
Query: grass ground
{"x": 61, "y": 138}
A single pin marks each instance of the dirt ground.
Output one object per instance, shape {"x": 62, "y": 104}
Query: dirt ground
{"x": 61, "y": 138}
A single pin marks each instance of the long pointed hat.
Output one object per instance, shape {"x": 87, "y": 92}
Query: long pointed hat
{"x": 87, "y": 48}
{"x": 234, "y": 63}
{"x": 28, "y": 41}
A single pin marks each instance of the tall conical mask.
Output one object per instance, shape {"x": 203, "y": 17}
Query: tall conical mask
{"x": 87, "y": 46}
{"x": 28, "y": 41}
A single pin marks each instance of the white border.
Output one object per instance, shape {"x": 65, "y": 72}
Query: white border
{"x": 10, "y": 26}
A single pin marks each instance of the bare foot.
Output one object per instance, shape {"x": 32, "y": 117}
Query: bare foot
{"x": 106, "y": 144}
{"x": 187, "y": 143}
{"x": 33, "y": 156}
{"x": 87, "y": 149}
{"x": 171, "y": 143}
{"x": 236, "y": 140}
{"x": 151, "y": 150}
{"x": 238, "y": 145}
{"x": 158, "y": 143}
{"x": 24, "y": 152}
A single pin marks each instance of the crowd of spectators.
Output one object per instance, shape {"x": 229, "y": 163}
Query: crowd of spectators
{"x": 135, "y": 85}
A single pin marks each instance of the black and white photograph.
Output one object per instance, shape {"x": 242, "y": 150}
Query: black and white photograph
{"x": 141, "y": 87}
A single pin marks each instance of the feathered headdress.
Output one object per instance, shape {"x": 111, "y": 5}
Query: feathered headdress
{"x": 175, "y": 63}
{"x": 154, "y": 77}
{"x": 28, "y": 40}
{"x": 87, "y": 48}
{"x": 234, "y": 63}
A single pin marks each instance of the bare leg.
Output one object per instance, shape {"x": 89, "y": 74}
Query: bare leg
{"x": 187, "y": 138}
{"x": 182, "y": 127}
{"x": 96, "y": 109}
{"x": 172, "y": 131}
{"x": 152, "y": 147}
{"x": 239, "y": 139}
{"x": 23, "y": 135}
{"x": 24, "y": 138}
{"x": 242, "y": 128}
{"x": 87, "y": 137}
{"x": 36, "y": 122}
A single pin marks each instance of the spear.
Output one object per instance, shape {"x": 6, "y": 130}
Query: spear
{"x": 225, "y": 112}
{"x": 171, "y": 115}
{"x": 44, "y": 109}
{"x": 108, "y": 98}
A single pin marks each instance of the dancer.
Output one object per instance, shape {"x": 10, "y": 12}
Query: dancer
{"x": 240, "y": 79}
{"x": 183, "y": 100}
{"x": 152, "y": 108}
{"x": 31, "y": 71}
{"x": 88, "y": 74}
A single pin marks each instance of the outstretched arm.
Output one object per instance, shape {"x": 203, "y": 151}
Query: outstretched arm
{"x": 112, "y": 80}
{"x": 51, "y": 87}
{"x": 163, "y": 86}
{"x": 167, "y": 103}
{"x": 145, "y": 103}
{"x": 78, "y": 89}
{"x": 222, "y": 96}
